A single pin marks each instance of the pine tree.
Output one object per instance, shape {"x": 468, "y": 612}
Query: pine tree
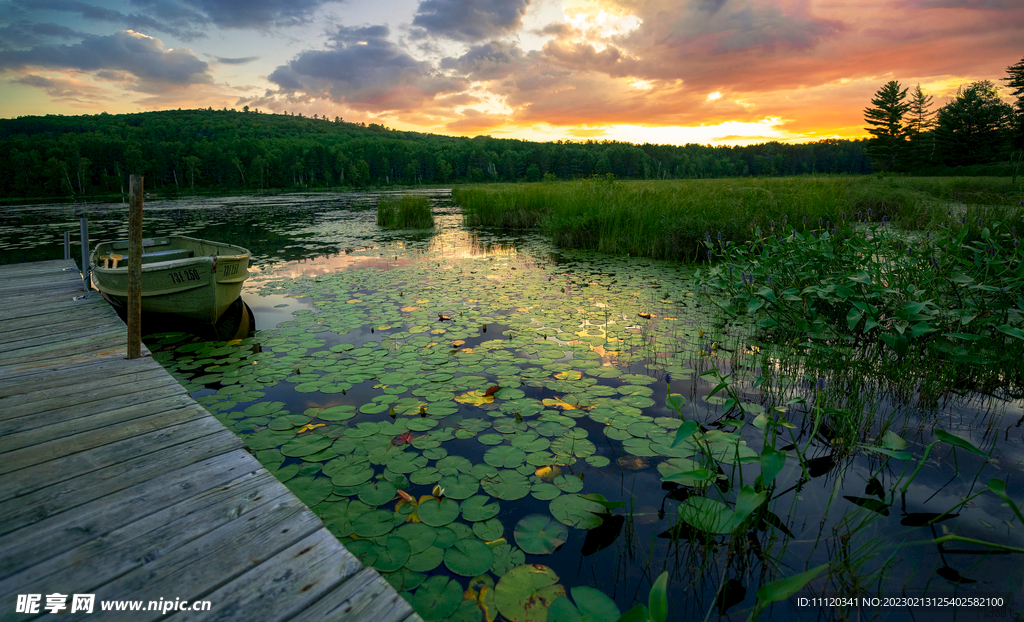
{"x": 920, "y": 123}
{"x": 886, "y": 121}
{"x": 1016, "y": 82}
{"x": 974, "y": 128}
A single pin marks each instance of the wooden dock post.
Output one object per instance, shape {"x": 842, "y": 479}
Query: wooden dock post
{"x": 135, "y": 267}
{"x": 67, "y": 245}
{"x": 83, "y": 226}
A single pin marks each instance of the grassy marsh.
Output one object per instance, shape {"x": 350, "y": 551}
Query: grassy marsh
{"x": 668, "y": 219}
{"x": 405, "y": 212}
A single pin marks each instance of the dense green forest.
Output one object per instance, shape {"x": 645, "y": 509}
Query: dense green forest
{"x": 186, "y": 151}
{"x": 221, "y": 150}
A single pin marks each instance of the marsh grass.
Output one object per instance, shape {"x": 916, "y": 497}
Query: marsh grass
{"x": 668, "y": 219}
{"x": 405, "y": 212}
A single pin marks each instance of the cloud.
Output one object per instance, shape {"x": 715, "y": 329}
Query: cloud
{"x": 474, "y": 122}
{"x": 236, "y": 61}
{"x": 18, "y": 34}
{"x": 63, "y": 89}
{"x": 489, "y": 61}
{"x": 142, "y": 58}
{"x": 470, "y": 20}
{"x": 234, "y": 13}
{"x": 93, "y": 12}
{"x": 361, "y": 67}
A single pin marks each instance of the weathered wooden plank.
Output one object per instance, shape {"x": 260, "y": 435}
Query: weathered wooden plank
{"x": 36, "y": 267}
{"x": 42, "y": 499}
{"x": 81, "y": 395}
{"x": 58, "y": 339}
{"x": 27, "y": 289}
{"x": 25, "y": 457}
{"x": 43, "y": 298}
{"x": 100, "y": 457}
{"x": 285, "y": 584}
{"x": 67, "y": 363}
{"x": 194, "y": 570}
{"x": 15, "y": 339}
{"x": 363, "y": 596}
{"x": 105, "y": 558}
{"x": 34, "y": 431}
{"x": 88, "y": 311}
{"x": 66, "y": 348}
{"x": 54, "y": 307}
{"x": 20, "y": 549}
{"x": 92, "y": 387}
{"x": 53, "y": 376}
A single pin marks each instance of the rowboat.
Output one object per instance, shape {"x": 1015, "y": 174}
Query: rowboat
{"x": 189, "y": 277}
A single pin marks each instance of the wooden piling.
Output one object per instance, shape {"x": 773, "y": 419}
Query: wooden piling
{"x": 67, "y": 245}
{"x": 135, "y": 267}
{"x": 83, "y": 226}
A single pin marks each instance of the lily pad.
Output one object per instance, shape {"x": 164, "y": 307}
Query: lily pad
{"x": 590, "y": 605}
{"x": 426, "y": 560}
{"x": 524, "y": 593}
{"x": 437, "y": 598}
{"x": 489, "y": 530}
{"x": 438, "y": 513}
{"x": 507, "y": 485}
{"x": 468, "y": 557}
{"x": 477, "y": 508}
{"x": 538, "y": 534}
{"x": 505, "y": 456}
{"x": 393, "y": 555}
{"x": 575, "y": 511}
{"x": 459, "y": 486}
{"x": 376, "y": 523}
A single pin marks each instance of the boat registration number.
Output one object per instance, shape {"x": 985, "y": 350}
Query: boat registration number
{"x": 184, "y": 275}
{"x": 230, "y": 269}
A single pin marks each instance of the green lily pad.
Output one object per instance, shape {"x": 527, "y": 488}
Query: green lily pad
{"x": 352, "y": 474}
{"x": 393, "y": 555}
{"x": 491, "y": 439}
{"x": 378, "y": 493}
{"x": 591, "y": 605}
{"x": 426, "y": 560}
{"x": 438, "y": 513}
{"x": 507, "y": 485}
{"x": 419, "y": 536}
{"x": 468, "y": 557}
{"x": 311, "y": 490}
{"x": 459, "y": 486}
{"x": 477, "y": 508}
{"x": 576, "y": 511}
{"x": 342, "y": 412}
{"x": 376, "y": 523}
{"x": 538, "y": 534}
{"x": 505, "y": 456}
{"x": 524, "y": 593}
{"x": 305, "y": 445}
{"x": 506, "y": 557}
{"x": 488, "y": 530}
{"x": 437, "y": 598}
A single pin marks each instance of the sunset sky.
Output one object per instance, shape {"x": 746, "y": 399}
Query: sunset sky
{"x": 658, "y": 71}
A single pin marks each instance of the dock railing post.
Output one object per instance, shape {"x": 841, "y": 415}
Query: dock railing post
{"x": 83, "y": 226}
{"x": 135, "y": 267}
{"x": 67, "y": 245}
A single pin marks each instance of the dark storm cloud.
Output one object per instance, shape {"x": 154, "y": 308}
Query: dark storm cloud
{"x": 362, "y": 67}
{"x": 234, "y": 13}
{"x": 470, "y": 20}
{"x": 140, "y": 56}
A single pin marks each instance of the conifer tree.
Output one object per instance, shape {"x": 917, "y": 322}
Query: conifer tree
{"x": 920, "y": 123}
{"x": 886, "y": 124}
{"x": 1016, "y": 82}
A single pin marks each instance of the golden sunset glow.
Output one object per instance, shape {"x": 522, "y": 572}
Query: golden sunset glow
{"x": 661, "y": 71}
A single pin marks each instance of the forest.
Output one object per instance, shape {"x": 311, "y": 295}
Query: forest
{"x": 228, "y": 151}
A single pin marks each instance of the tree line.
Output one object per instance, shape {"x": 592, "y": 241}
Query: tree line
{"x": 181, "y": 151}
{"x": 975, "y": 128}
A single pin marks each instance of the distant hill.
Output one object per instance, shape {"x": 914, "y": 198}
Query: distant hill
{"x": 181, "y": 151}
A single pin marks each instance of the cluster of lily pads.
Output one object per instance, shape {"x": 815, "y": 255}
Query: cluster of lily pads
{"x": 438, "y": 392}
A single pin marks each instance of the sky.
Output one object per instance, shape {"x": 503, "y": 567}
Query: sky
{"x": 643, "y": 71}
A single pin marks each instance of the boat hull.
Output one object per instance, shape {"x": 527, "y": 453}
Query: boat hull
{"x": 200, "y": 287}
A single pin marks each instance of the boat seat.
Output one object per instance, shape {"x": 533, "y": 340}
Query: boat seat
{"x": 168, "y": 255}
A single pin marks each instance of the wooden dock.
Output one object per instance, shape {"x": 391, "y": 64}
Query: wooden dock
{"x": 114, "y": 482}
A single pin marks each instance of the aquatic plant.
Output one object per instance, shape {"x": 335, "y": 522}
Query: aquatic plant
{"x": 405, "y": 212}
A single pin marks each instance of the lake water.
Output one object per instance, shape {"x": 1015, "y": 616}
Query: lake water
{"x": 520, "y": 378}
